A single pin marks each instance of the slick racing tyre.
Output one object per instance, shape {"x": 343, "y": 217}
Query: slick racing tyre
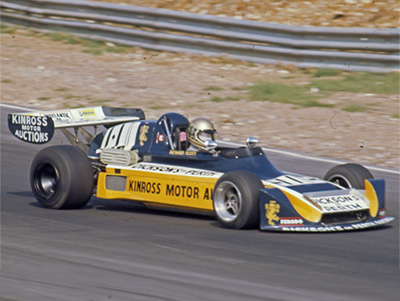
{"x": 348, "y": 175}
{"x": 235, "y": 199}
{"x": 61, "y": 177}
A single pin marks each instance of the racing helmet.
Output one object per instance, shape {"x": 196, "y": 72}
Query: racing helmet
{"x": 201, "y": 130}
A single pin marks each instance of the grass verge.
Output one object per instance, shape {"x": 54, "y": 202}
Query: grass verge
{"x": 380, "y": 83}
{"x": 353, "y": 108}
{"x": 6, "y": 29}
{"x": 324, "y": 72}
{"x": 90, "y": 46}
{"x": 366, "y": 82}
{"x": 277, "y": 92}
{"x": 213, "y": 88}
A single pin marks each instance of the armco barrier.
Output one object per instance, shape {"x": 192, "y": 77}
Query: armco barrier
{"x": 357, "y": 49}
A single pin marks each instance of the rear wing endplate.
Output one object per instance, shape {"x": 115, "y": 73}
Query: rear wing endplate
{"x": 38, "y": 127}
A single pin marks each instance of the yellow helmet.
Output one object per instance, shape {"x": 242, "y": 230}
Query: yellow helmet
{"x": 201, "y": 130}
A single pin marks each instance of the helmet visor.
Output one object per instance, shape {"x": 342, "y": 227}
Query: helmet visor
{"x": 206, "y": 135}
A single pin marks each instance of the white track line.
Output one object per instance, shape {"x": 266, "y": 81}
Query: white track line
{"x": 6, "y": 105}
{"x": 282, "y": 152}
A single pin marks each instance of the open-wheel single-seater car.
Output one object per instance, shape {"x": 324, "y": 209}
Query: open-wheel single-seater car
{"x": 150, "y": 161}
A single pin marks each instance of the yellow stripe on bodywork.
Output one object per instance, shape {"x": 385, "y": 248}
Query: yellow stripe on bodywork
{"x": 370, "y": 194}
{"x": 307, "y": 211}
{"x": 170, "y": 189}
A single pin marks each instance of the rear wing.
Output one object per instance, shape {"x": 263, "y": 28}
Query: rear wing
{"x": 38, "y": 127}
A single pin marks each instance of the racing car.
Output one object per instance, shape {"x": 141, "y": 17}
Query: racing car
{"x": 151, "y": 161}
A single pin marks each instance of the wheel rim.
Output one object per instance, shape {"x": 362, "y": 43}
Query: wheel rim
{"x": 46, "y": 180}
{"x": 227, "y": 201}
{"x": 340, "y": 180}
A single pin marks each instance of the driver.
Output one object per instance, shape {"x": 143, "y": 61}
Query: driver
{"x": 201, "y": 130}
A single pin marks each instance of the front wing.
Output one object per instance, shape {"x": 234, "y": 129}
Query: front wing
{"x": 282, "y": 211}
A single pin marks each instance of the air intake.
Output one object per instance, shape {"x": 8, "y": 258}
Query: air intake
{"x": 118, "y": 157}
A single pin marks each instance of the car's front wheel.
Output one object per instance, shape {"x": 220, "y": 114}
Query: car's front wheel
{"x": 348, "y": 175}
{"x": 235, "y": 199}
{"x": 61, "y": 177}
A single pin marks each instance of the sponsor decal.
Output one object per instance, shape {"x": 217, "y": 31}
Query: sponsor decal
{"x": 208, "y": 194}
{"x": 143, "y": 134}
{"x": 291, "y": 221}
{"x": 87, "y": 113}
{"x": 63, "y": 116}
{"x": 183, "y": 191}
{"x": 142, "y": 186}
{"x": 339, "y": 203}
{"x": 314, "y": 229}
{"x": 271, "y": 212}
{"x": 175, "y": 170}
{"x": 289, "y": 180}
{"x": 357, "y": 226}
{"x": 182, "y": 153}
{"x": 382, "y": 213}
{"x": 169, "y": 190}
{"x": 33, "y": 129}
{"x": 160, "y": 137}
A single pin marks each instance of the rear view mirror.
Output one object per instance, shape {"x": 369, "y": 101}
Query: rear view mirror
{"x": 210, "y": 145}
{"x": 251, "y": 142}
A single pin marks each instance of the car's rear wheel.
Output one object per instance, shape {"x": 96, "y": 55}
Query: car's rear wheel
{"x": 348, "y": 175}
{"x": 61, "y": 177}
{"x": 235, "y": 199}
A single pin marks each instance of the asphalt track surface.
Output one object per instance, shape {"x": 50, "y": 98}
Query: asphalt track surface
{"x": 114, "y": 250}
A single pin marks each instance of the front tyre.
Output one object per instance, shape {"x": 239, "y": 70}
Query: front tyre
{"x": 61, "y": 177}
{"x": 348, "y": 175}
{"x": 235, "y": 199}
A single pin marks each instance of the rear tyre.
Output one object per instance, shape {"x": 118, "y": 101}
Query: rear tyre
{"x": 348, "y": 175}
{"x": 235, "y": 199}
{"x": 61, "y": 177}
